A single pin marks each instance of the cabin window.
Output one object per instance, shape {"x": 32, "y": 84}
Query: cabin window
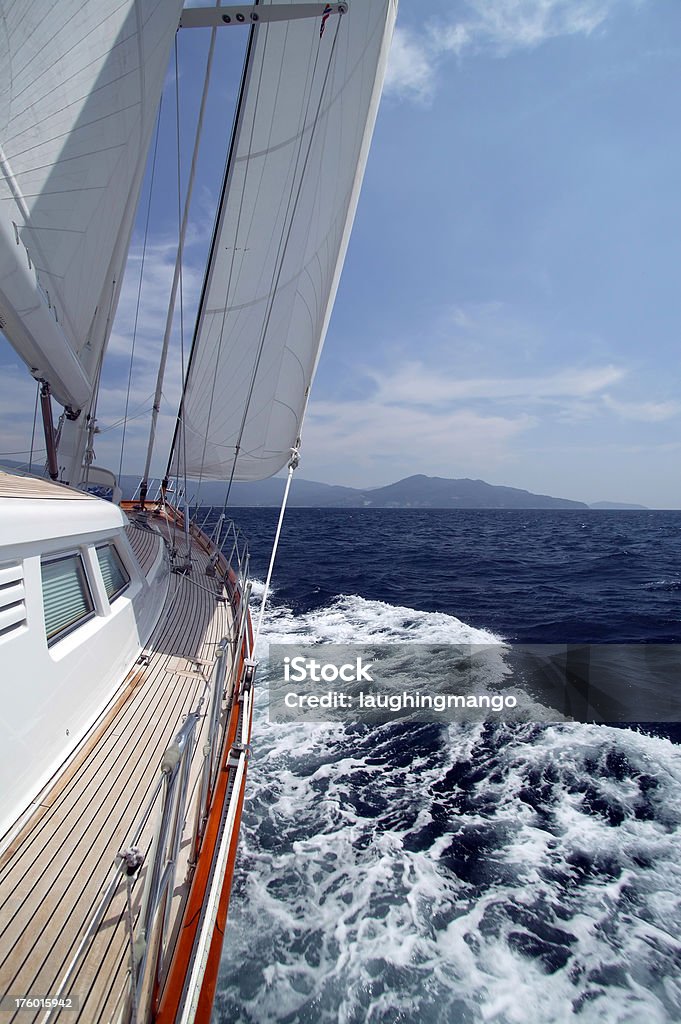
{"x": 115, "y": 577}
{"x": 66, "y": 596}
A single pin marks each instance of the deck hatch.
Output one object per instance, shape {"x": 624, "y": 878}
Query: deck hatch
{"x": 66, "y": 596}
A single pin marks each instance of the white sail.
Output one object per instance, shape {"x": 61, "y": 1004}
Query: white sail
{"x": 292, "y": 186}
{"x": 80, "y": 82}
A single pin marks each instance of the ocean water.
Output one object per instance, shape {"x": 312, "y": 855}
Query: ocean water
{"x": 460, "y": 873}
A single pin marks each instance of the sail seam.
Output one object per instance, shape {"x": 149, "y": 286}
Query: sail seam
{"x": 79, "y": 42}
{"x": 72, "y": 132}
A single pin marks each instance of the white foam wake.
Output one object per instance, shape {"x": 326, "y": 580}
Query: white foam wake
{"x": 353, "y": 619}
{"x": 459, "y": 874}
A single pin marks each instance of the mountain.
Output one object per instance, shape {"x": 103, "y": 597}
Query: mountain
{"x": 413, "y": 492}
{"x": 436, "y": 492}
{"x": 618, "y": 506}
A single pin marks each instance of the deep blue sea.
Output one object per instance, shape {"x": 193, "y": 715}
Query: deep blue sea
{"x": 463, "y": 872}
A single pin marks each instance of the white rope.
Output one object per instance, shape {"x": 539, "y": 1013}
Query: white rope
{"x": 131, "y": 938}
{"x": 292, "y": 466}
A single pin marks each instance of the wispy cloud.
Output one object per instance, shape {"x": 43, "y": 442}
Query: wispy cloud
{"x": 411, "y": 71}
{"x": 377, "y": 443}
{"x": 16, "y": 413}
{"x": 495, "y": 27}
{"x": 416, "y": 384}
{"x": 647, "y": 412}
{"x": 446, "y": 424}
{"x": 507, "y": 25}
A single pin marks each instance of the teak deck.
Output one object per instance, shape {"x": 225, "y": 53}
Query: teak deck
{"x": 54, "y": 873}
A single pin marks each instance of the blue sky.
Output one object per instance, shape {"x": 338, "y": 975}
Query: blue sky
{"x": 510, "y": 304}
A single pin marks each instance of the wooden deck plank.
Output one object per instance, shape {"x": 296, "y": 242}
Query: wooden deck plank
{"x": 103, "y": 791}
{"x": 145, "y": 541}
{"x": 52, "y": 884}
{"x": 155, "y": 685}
{"x": 58, "y": 953}
{"x": 18, "y": 485}
{"x": 83, "y": 839}
{"x": 138, "y": 711}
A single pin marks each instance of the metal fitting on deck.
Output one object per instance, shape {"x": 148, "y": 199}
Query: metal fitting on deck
{"x": 250, "y": 665}
{"x": 235, "y": 753}
{"x": 132, "y": 859}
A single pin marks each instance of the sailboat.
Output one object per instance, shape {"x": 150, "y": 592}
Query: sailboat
{"x": 126, "y": 643}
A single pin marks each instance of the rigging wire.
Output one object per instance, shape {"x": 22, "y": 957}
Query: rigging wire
{"x": 24, "y": 451}
{"x": 139, "y": 288}
{"x": 181, "y": 295}
{"x": 90, "y": 426}
{"x": 140, "y": 410}
{"x": 158, "y": 394}
{"x": 231, "y": 268}
{"x": 237, "y": 114}
{"x": 283, "y": 246}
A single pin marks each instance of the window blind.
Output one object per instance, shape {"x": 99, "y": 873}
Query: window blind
{"x": 67, "y": 600}
{"x": 115, "y": 577}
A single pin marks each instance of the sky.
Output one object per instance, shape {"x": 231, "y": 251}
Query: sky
{"x": 510, "y": 307}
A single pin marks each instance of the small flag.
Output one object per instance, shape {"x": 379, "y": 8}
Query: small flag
{"x": 325, "y": 18}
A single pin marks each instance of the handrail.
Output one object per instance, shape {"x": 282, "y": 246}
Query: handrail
{"x": 176, "y": 764}
{"x": 216, "y": 543}
{"x": 151, "y": 936}
{"x": 239, "y": 549}
{"x": 109, "y": 893}
{"x": 210, "y": 750}
{"x": 137, "y": 488}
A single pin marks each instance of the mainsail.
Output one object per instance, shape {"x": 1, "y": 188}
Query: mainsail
{"x": 80, "y": 83}
{"x": 291, "y": 189}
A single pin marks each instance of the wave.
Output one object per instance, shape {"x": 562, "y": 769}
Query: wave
{"x": 354, "y": 619}
{"x": 663, "y": 585}
{"x": 461, "y": 873}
